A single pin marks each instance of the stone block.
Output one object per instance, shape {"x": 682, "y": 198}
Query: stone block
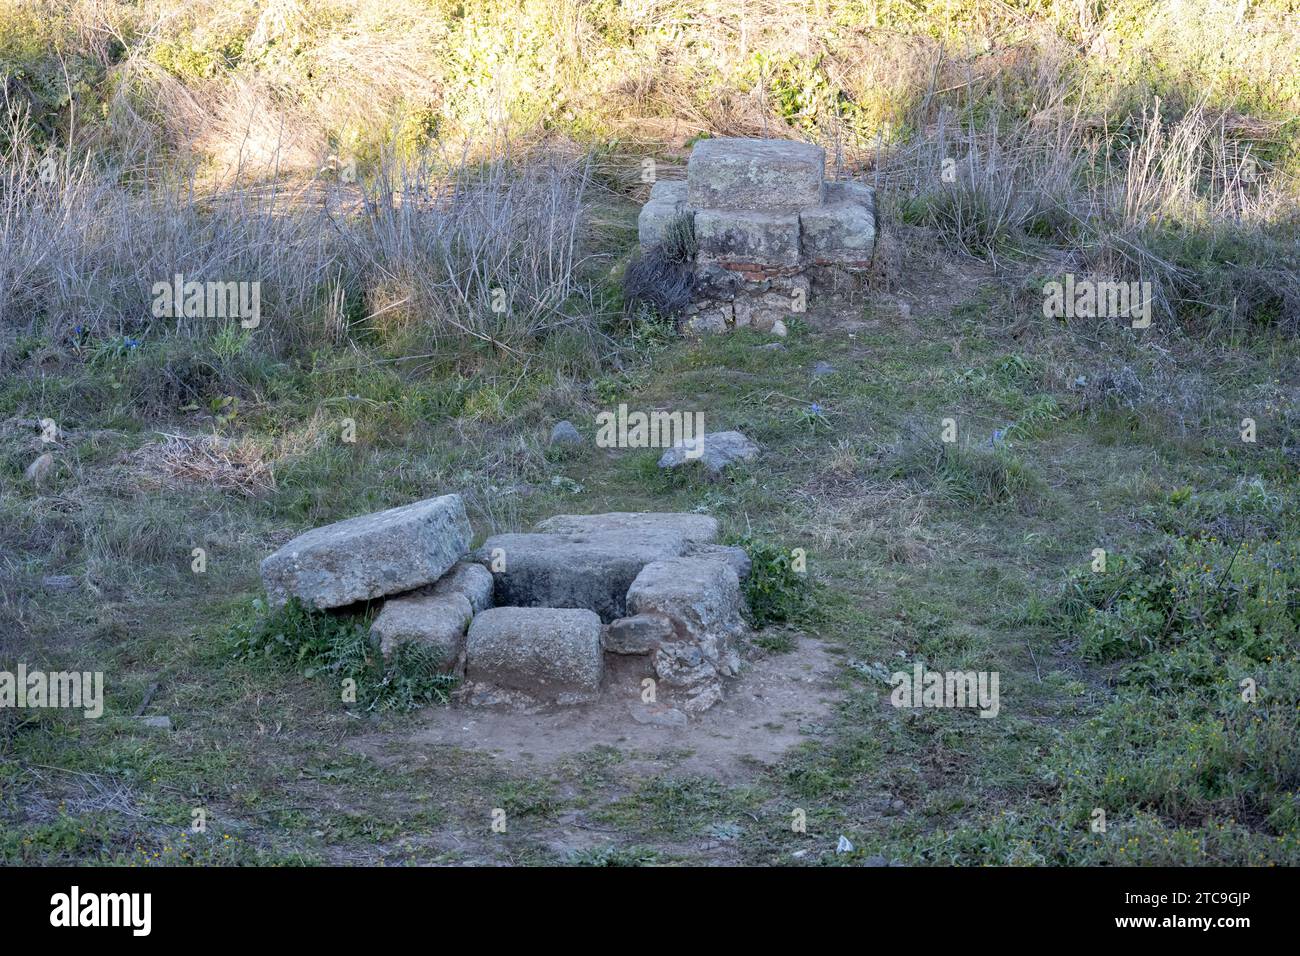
{"x": 754, "y": 174}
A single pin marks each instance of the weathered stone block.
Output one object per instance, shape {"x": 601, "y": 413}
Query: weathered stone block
{"x": 754, "y": 174}
{"x": 552, "y": 654}
{"x": 737, "y": 557}
{"x": 736, "y": 239}
{"x": 667, "y": 202}
{"x": 438, "y": 621}
{"x": 470, "y": 579}
{"x": 701, "y": 597}
{"x": 843, "y": 229}
{"x": 370, "y": 556}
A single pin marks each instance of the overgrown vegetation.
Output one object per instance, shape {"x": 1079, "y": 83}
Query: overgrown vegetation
{"x": 338, "y": 649}
{"x": 432, "y": 194}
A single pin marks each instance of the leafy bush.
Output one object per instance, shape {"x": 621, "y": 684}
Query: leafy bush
{"x": 774, "y": 591}
{"x": 339, "y": 646}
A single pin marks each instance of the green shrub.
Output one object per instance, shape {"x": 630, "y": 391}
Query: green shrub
{"x": 774, "y": 591}
{"x": 339, "y": 646}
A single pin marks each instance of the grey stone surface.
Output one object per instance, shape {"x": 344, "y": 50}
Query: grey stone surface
{"x": 701, "y": 597}
{"x": 763, "y": 312}
{"x": 370, "y": 556}
{"x": 694, "y": 528}
{"x": 156, "y": 722}
{"x": 682, "y": 664}
{"x": 469, "y": 579}
{"x": 564, "y": 433}
{"x": 823, "y": 369}
{"x": 734, "y": 173}
{"x": 438, "y": 621}
{"x": 638, "y": 634}
{"x": 720, "y": 450}
{"x": 747, "y": 237}
{"x": 667, "y": 202}
{"x": 657, "y": 715}
{"x": 840, "y": 231}
{"x": 59, "y": 582}
{"x": 577, "y": 570}
{"x": 549, "y": 653}
{"x": 735, "y": 556}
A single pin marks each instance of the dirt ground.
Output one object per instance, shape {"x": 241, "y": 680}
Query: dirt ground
{"x": 769, "y": 708}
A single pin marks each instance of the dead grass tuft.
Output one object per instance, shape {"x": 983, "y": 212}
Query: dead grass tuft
{"x": 212, "y": 460}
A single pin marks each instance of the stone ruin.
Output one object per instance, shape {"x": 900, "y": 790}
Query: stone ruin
{"x": 771, "y": 235}
{"x": 547, "y": 617}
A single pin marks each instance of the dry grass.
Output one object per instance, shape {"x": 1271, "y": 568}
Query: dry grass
{"x": 210, "y": 460}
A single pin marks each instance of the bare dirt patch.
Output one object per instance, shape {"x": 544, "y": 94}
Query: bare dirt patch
{"x": 777, "y": 700}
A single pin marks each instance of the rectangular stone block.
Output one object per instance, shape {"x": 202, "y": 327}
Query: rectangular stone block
{"x": 549, "y": 653}
{"x": 753, "y": 174}
{"x": 842, "y": 230}
{"x": 737, "y": 239}
{"x": 370, "y": 556}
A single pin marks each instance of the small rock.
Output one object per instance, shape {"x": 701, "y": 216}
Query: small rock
{"x": 39, "y": 468}
{"x": 875, "y": 861}
{"x": 778, "y": 328}
{"x": 157, "y": 723}
{"x": 771, "y": 347}
{"x": 638, "y": 634}
{"x": 706, "y": 697}
{"x": 565, "y": 434}
{"x": 715, "y": 450}
{"x": 59, "y": 582}
{"x": 657, "y": 715}
{"x": 822, "y": 369}
{"x": 844, "y": 846}
{"x": 682, "y": 664}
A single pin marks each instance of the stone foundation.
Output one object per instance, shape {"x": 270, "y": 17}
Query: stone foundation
{"x": 771, "y": 236}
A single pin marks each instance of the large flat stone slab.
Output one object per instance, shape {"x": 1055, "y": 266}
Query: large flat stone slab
{"x": 754, "y": 174}
{"x": 574, "y": 570}
{"x": 694, "y": 529}
{"x": 370, "y": 556}
{"x": 551, "y": 654}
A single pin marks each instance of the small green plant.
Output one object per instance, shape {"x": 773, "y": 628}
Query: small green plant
{"x": 776, "y": 589}
{"x": 339, "y": 646}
